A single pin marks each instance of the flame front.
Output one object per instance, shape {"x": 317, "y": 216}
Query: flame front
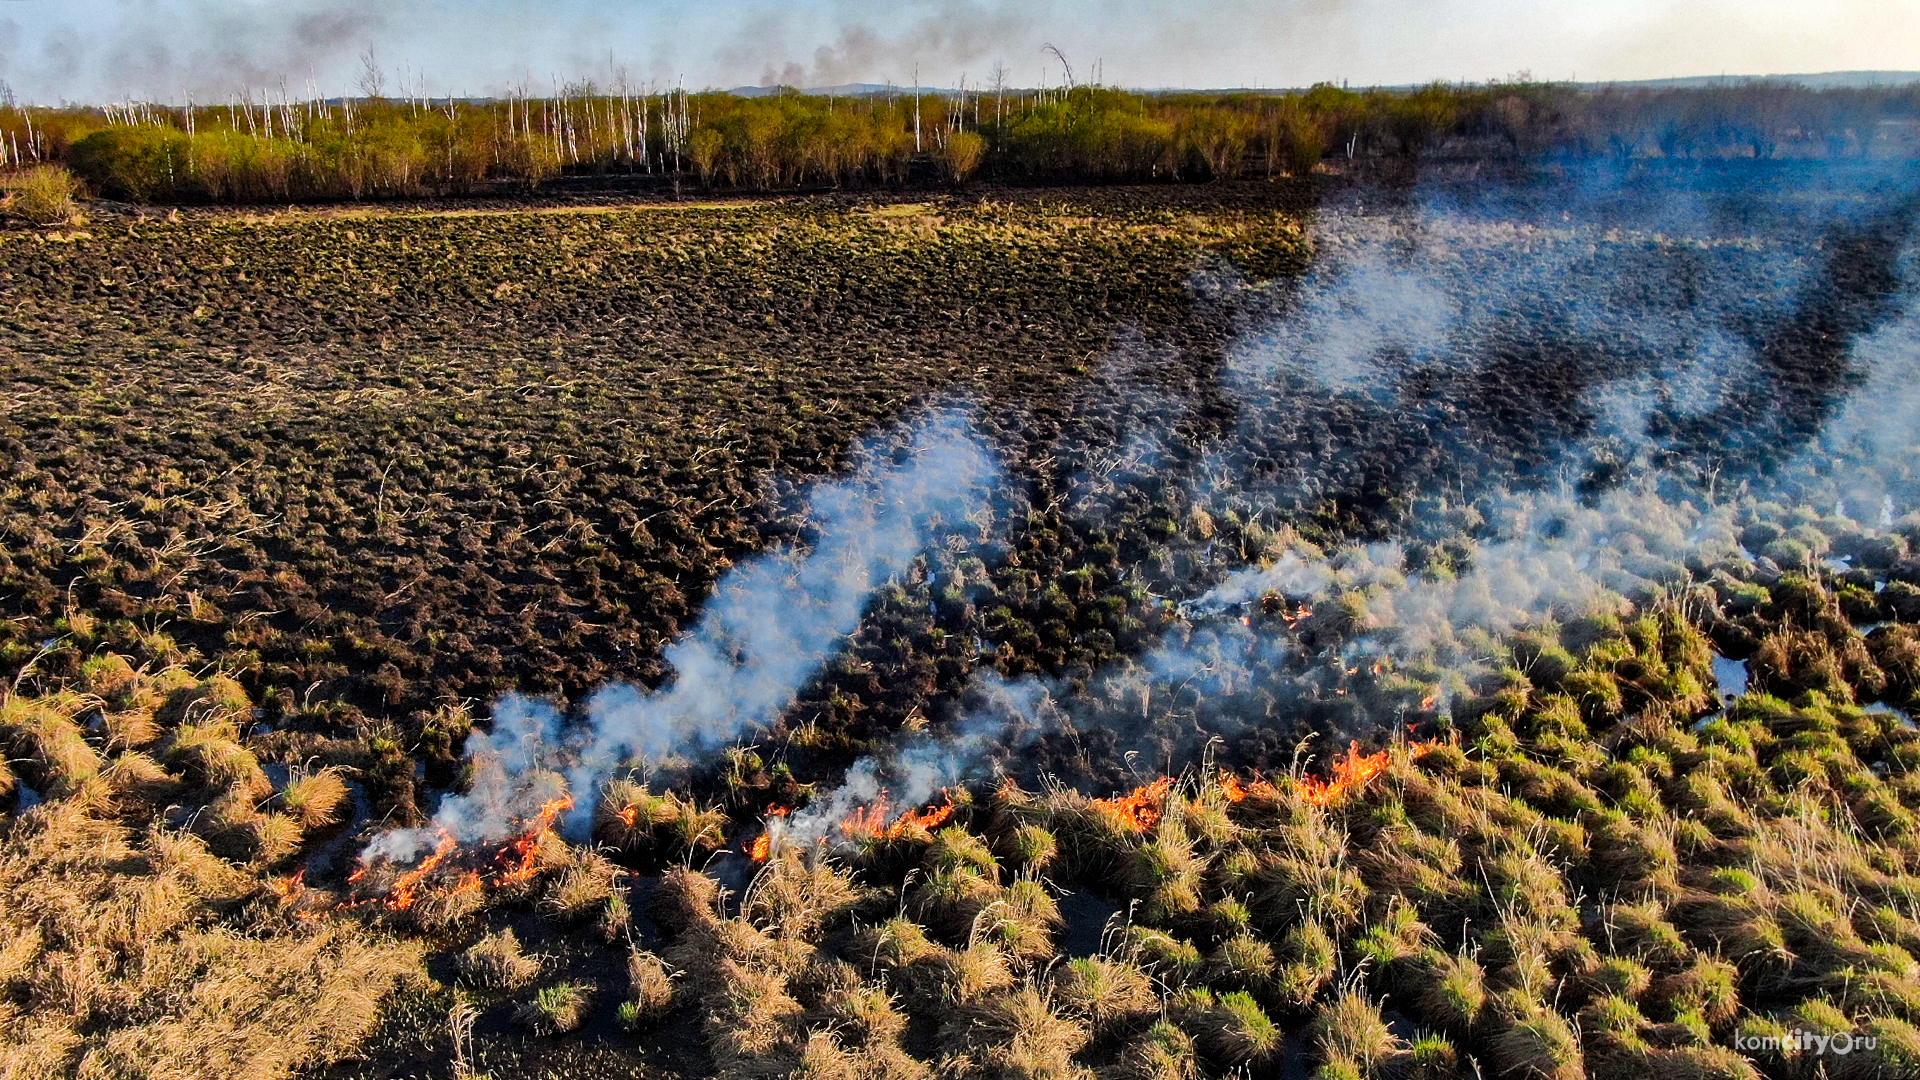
{"x": 522, "y": 853}
{"x": 1350, "y": 774}
{"x": 762, "y": 847}
{"x": 516, "y": 862}
{"x": 1139, "y": 809}
{"x": 870, "y": 823}
{"x": 1236, "y": 792}
{"x": 407, "y": 889}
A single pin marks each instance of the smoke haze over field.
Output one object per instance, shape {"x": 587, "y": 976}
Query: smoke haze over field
{"x": 91, "y": 50}
{"x": 1407, "y": 298}
{"x": 1607, "y": 377}
{"x": 769, "y": 625}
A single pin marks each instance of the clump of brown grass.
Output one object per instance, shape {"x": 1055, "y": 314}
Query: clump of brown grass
{"x": 1535, "y": 1042}
{"x": 582, "y": 890}
{"x": 1167, "y": 873}
{"x": 796, "y": 894}
{"x": 42, "y": 194}
{"x": 632, "y": 819}
{"x": 685, "y": 899}
{"x": 1232, "y": 1028}
{"x": 1310, "y": 958}
{"x": 1243, "y": 962}
{"x": 1350, "y": 1036}
{"x": 1455, "y": 994}
{"x": 58, "y": 760}
{"x": 138, "y": 780}
{"x": 1023, "y": 920}
{"x": 950, "y": 899}
{"x": 496, "y": 962}
{"x": 649, "y": 988}
{"x": 975, "y": 973}
{"x": 911, "y": 963}
{"x": 127, "y": 954}
{"x": 1016, "y": 1034}
{"x": 210, "y": 754}
{"x": 1171, "y": 960}
{"x": 1029, "y": 848}
{"x": 314, "y": 799}
{"x": 1105, "y": 993}
{"x": 1162, "y": 1052}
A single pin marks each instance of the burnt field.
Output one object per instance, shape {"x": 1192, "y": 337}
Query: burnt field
{"x": 968, "y": 596}
{"x": 377, "y": 465}
{"x": 395, "y": 461}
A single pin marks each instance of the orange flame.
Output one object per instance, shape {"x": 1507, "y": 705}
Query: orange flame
{"x": 1353, "y": 772}
{"x": 289, "y": 887}
{"x": 1350, "y": 773}
{"x": 526, "y": 848}
{"x": 1275, "y": 605}
{"x": 1139, "y": 809}
{"x": 1236, "y": 792}
{"x": 762, "y": 846}
{"x": 517, "y": 860}
{"x": 870, "y": 822}
{"x": 406, "y": 890}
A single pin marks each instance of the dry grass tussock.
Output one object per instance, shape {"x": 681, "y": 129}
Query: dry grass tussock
{"x": 1535, "y": 904}
{"x": 132, "y": 949}
{"x": 42, "y": 194}
{"x": 1640, "y": 902}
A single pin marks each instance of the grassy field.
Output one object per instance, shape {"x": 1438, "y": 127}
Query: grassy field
{"x": 292, "y": 497}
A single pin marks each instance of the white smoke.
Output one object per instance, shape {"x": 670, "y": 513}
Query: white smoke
{"x": 1393, "y": 297}
{"x": 770, "y": 624}
{"x": 915, "y": 768}
{"x": 1658, "y": 304}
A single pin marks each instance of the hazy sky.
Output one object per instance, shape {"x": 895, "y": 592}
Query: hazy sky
{"x": 91, "y": 50}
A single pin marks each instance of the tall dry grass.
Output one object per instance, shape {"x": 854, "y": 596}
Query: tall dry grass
{"x": 42, "y": 194}
{"x": 129, "y": 948}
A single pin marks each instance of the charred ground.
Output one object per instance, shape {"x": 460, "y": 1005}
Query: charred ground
{"x": 380, "y": 466}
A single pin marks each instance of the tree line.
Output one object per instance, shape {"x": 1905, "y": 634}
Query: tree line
{"x": 262, "y": 150}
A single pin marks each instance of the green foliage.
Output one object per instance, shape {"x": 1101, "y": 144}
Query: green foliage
{"x": 377, "y": 148}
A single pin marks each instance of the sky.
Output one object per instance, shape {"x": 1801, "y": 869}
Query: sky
{"x": 110, "y": 50}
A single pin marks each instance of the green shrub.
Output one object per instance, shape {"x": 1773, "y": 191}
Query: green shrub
{"x": 555, "y": 1010}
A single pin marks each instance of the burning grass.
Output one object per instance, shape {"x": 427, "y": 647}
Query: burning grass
{"x": 1573, "y": 862}
{"x": 1446, "y": 875}
{"x": 131, "y": 948}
